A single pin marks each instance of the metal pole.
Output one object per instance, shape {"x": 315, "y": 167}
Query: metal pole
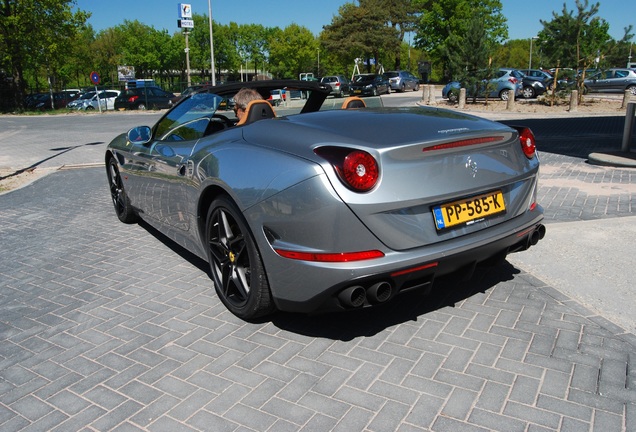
{"x": 530, "y": 62}
{"x": 211, "y": 44}
{"x": 187, "y": 51}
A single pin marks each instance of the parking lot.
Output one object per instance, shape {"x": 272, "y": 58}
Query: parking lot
{"x": 105, "y": 326}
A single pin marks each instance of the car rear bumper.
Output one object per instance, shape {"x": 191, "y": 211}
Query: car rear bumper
{"x": 369, "y": 284}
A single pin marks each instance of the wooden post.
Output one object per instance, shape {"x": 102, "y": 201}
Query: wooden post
{"x": 431, "y": 95}
{"x": 574, "y": 101}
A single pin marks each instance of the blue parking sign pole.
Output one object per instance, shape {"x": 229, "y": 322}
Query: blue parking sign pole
{"x": 95, "y": 80}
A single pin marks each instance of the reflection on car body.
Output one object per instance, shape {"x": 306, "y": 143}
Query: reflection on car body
{"x": 327, "y": 209}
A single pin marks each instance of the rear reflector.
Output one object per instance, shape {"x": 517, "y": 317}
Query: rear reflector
{"x": 464, "y": 143}
{"x": 330, "y": 257}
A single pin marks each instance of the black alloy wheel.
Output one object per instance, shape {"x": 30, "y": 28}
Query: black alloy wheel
{"x": 235, "y": 262}
{"x": 123, "y": 209}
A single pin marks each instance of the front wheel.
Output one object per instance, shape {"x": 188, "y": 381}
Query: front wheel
{"x": 235, "y": 262}
{"x": 123, "y": 209}
{"x": 528, "y": 92}
{"x": 632, "y": 90}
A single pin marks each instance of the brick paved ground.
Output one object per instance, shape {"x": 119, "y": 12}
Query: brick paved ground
{"x": 105, "y": 326}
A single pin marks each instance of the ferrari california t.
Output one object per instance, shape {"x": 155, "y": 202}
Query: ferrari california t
{"x": 322, "y": 205}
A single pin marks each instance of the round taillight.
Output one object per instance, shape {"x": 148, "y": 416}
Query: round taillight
{"x": 360, "y": 170}
{"x": 528, "y": 144}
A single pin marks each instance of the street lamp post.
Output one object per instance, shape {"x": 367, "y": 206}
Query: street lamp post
{"x": 530, "y": 61}
{"x": 211, "y": 44}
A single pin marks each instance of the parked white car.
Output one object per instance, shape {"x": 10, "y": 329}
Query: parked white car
{"x": 89, "y": 100}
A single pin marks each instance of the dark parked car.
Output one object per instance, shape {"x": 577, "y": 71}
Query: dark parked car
{"x": 338, "y": 83}
{"x": 327, "y": 209}
{"x": 539, "y": 75}
{"x": 47, "y": 101}
{"x": 141, "y": 98}
{"x": 531, "y": 87}
{"x": 615, "y": 80}
{"x": 189, "y": 90}
{"x": 402, "y": 81}
{"x": 369, "y": 85}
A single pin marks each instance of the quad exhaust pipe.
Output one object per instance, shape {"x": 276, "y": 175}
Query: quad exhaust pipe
{"x": 536, "y": 235}
{"x": 356, "y": 296}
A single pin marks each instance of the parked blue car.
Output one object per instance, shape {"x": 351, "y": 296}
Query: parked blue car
{"x": 504, "y": 82}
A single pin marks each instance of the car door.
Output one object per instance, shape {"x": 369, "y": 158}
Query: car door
{"x": 618, "y": 82}
{"x": 600, "y": 81}
{"x": 107, "y": 99}
{"x": 160, "y": 169}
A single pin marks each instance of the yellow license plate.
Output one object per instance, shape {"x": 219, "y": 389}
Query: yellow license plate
{"x": 469, "y": 210}
{"x": 357, "y": 91}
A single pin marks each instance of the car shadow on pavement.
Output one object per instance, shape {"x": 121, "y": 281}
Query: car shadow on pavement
{"x": 347, "y": 325}
{"x": 410, "y": 306}
{"x": 575, "y": 136}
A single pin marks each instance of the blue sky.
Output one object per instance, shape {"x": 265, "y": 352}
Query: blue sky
{"x": 523, "y": 16}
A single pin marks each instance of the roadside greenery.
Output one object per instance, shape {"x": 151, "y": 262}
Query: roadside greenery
{"x": 47, "y": 45}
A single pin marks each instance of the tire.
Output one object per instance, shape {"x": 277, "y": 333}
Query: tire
{"x": 141, "y": 107}
{"x": 528, "y": 92}
{"x": 417, "y": 87}
{"x": 235, "y": 262}
{"x": 90, "y": 108}
{"x": 504, "y": 95}
{"x": 374, "y": 92}
{"x": 632, "y": 90}
{"x": 123, "y": 209}
{"x": 453, "y": 97}
{"x": 403, "y": 89}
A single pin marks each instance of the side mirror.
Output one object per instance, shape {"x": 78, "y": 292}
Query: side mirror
{"x": 140, "y": 135}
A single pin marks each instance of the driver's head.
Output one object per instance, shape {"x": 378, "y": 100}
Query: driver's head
{"x": 243, "y": 97}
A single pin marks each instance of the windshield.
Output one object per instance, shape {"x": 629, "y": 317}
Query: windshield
{"x": 191, "y": 116}
{"x": 88, "y": 95}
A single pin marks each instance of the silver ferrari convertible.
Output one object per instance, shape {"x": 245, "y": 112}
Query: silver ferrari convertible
{"x": 321, "y": 204}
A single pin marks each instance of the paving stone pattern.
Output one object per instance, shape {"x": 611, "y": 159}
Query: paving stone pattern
{"x": 106, "y": 326}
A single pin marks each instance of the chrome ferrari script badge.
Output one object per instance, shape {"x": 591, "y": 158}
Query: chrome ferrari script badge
{"x": 472, "y": 166}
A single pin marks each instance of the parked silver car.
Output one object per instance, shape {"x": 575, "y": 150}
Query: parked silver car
{"x": 615, "y": 80}
{"x": 335, "y": 209}
{"x": 402, "y": 80}
{"x": 339, "y": 84}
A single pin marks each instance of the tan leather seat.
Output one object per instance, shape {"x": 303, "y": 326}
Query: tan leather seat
{"x": 257, "y": 110}
{"x": 353, "y": 102}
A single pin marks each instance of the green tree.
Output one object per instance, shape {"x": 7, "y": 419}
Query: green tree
{"x": 362, "y": 32}
{"x": 107, "y": 52}
{"x": 516, "y": 53}
{"x": 36, "y": 35}
{"x": 292, "y": 51}
{"x": 444, "y": 25}
{"x": 578, "y": 39}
